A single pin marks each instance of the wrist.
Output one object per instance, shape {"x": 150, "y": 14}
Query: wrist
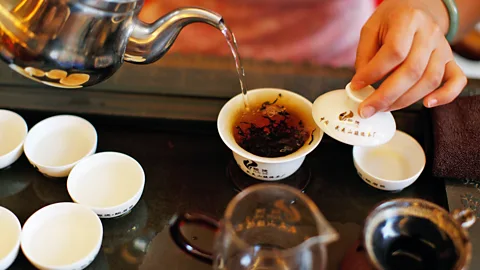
{"x": 451, "y": 7}
{"x": 435, "y": 8}
{"x": 439, "y": 13}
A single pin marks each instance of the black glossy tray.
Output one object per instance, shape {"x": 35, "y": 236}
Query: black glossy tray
{"x": 185, "y": 165}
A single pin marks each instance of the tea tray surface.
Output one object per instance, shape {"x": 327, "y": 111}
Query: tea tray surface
{"x": 185, "y": 166}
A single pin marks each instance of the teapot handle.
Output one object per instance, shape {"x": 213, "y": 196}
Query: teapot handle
{"x": 465, "y": 217}
{"x": 181, "y": 241}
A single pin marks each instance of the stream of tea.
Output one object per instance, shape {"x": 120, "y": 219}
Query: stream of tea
{"x": 232, "y": 43}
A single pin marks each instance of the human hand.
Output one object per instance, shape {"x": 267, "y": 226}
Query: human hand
{"x": 405, "y": 39}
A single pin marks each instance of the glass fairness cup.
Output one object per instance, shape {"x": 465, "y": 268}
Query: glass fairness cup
{"x": 266, "y": 226}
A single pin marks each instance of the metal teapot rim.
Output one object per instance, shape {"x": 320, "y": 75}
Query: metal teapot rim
{"x": 113, "y": 6}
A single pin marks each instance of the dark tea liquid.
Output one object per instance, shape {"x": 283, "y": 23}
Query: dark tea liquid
{"x": 271, "y": 130}
{"x": 413, "y": 243}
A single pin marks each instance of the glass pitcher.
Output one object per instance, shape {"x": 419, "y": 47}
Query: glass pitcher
{"x": 266, "y": 226}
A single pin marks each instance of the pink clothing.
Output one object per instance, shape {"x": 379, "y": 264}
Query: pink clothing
{"x": 324, "y": 32}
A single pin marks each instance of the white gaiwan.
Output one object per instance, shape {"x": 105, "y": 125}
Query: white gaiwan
{"x": 336, "y": 113}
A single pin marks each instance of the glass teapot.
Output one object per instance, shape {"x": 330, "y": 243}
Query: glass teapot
{"x": 266, "y": 226}
{"x": 79, "y": 43}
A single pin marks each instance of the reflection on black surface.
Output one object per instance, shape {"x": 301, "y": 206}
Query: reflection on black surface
{"x": 299, "y": 180}
{"x": 134, "y": 252}
{"x": 163, "y": 253}
{"x": 349, "y": 232}
{"x": 13, "y": 179}
{"x": 118, "y": 231}
{"x": 51, "y": 190}
{"x": 126, "y": 239}
{"x": 356, "y": 258}
{"x": 130, "y": 254}
{"x": 100, "y": 263}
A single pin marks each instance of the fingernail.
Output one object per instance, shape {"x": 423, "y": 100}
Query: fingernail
{"x": 367, "y": 111}
{"x": 356, "y": 85}
{"x": 432, "y": 103}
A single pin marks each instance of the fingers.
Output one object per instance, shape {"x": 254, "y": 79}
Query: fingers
{"x": 415, "y": 56}
{"x": 455, "y": 81}
{"x": 395, "y": 48}
{"x": 402, "y": 79}
{"x": 431, "y": 80}
{"x": 367, "y": 46}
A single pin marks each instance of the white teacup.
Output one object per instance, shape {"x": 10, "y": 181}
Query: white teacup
{"x": 10, "y": 231}
{"x": 13, "y": 130}
{"x": 62, "y": 236}
{"x": 56, "y": 144}
{"x": 109, "y": 183}
{"x": 265, "y": 168}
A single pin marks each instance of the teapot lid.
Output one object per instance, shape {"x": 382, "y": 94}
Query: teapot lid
{"x": 336, "y": 113}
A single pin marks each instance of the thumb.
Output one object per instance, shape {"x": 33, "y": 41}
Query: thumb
{"x": 368, "y": 46}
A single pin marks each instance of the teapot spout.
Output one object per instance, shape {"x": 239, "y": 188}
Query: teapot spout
{"x": 149, "y": 42}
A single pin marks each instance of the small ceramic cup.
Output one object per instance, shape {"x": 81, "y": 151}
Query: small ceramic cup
{"x": 73, "y": 232}
{"x": 392, "y": 166}
{"x": 110, "y": 183}
{"x": 13, "y": 131}
{"x": 265, "y": 168}
{"x": 10, "y": 231}
{"x": 56, "y": 144}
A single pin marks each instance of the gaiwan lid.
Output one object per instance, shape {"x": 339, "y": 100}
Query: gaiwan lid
{"x": 336, "y": 113}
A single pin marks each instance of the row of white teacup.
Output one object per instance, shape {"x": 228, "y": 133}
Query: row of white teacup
{"x": 60, "y": 236}
{"x": 391, "y": 166}
{"x": 53, "y": 146}
{"x": 102, "y": 185}
{"x": 61, "y": 146}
